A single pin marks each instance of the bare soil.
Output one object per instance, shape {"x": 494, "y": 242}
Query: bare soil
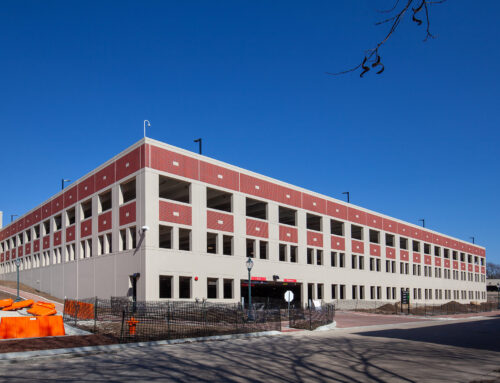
{"x": 6, "y": 296}
{"x": 51, "y": 343}
{"x": 29, "y": 289}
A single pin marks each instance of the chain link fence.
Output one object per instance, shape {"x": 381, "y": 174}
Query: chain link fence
{"x": 146, "y": 321}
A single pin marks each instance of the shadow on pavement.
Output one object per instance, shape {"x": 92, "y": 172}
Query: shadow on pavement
{"x": 483, "y": 334}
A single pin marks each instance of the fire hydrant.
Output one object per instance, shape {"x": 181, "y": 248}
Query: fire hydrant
{"x": 132, "y": 324}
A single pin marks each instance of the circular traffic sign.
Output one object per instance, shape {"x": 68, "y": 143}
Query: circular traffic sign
{"x": 288, "y": 296}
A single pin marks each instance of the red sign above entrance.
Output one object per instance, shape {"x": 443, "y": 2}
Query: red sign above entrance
{"x": 289, "y": 280}
{"x": 258, "y": 278}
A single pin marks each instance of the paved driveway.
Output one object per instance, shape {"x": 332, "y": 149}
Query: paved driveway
{"x": 457, "y": 351}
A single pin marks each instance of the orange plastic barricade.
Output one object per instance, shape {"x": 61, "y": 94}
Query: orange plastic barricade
{"x": 41, "y": 311}
{"x": 46, "y": 304}
{"x": 81, "y": 309}
{"x": 31, "y": 327}
{"x": 19, "y": 305}
{"x": 6, "y": 303}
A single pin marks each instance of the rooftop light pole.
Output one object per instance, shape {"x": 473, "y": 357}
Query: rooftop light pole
{"x": 18, "y": 263}
{"x": 199, "y": 141}
{"x": 146, "y": 124}
{"x": 473, "y": 239}
{"x": 63, "y": 181}
{"x": 347, "y": 196}
{"x": 423, "y": 221}
{"x": 12, "y": 217}
{"x": 249, "y": 264}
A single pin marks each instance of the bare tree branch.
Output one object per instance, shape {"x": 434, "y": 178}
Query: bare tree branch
{"x": 372, "y": 55}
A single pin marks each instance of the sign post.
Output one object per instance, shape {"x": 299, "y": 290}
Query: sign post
{"x": 288, "y": 298}
{"x": 405, "y": 300}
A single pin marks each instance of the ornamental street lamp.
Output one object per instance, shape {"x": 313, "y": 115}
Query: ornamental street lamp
{"x": 249, "y": 264}
{"x": 18, "y": 263}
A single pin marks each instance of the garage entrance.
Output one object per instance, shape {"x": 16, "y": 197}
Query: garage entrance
{"x": 271, "y": 293}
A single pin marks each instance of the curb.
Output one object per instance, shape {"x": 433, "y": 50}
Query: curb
{"x": 15, "y": 357}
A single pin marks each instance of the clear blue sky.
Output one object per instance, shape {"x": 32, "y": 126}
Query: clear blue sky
{"x": 420, "y": 141}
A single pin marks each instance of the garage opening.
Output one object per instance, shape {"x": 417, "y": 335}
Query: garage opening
{"x": 271, "y": 293}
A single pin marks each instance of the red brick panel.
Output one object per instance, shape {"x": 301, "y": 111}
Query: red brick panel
{"x": 46, "y": 210}
{"x": 390, "y": 252}
{"x": 336, "y": 210}
{"x": 374, "y": 221}
{"x": 104, "y": 221}
{"x": 289, "y": 234}
{"x": 415, "y": 232}
{"x": 220, "y": 221}
{"x": 375, "y": 250}
{"x": 13, "y": 253}
{"x": 469, "y": 268}
{"x": 357, "y": 246}
{"x": 455, "y": 265}
{"x": 436, "y": 239}
{"x": 217, "y": 175}
{"x": 426, "y": 236}
{"x": 27, "y": 248}
{"x": 86, "y": 228}
{"x": 57, "y": 204}
{"x": 256, "y": 187}
{"x": 416, "y": 258}
{"x": 404, "y": 255}
{"x": 447, "y": 263}
{"x": 127, "y": 213}
{"x": 86, "y": 188}
{"x": 357, "y": 216}
{"x": 46, "y": 242}
{"x": 70, "y": 233}
{"x": 174, "y": 163}
{"x": 36, "y": 245}
{"x": 483, "y": 270}
{"x": 257, "y": 228}
{"x": 7, "y": 255}
{"x": 286, "y": 196}
{"x": 57, "y": 238}
{"x": 314, "y": 239}
{"x": 71, "y": 196}
{"x": 437, "y": 261}
{"x": 2, "y": 257}
{"x": 312, "y": 203}
{"x": 427, "y": 259}
{"x": 20, "y": 225}
{"x": 104, "y": 177}
{"x": 446, "y": 242}
{"x": 145, "y": 149}
{"x": 463, "y": 267}
{"x": 338, "y": 243}
{"x": 128, "y": 164}
{"x": 20, "y": 252}
{"x": 404, "y": 230}
{"x": 175, "y": 213}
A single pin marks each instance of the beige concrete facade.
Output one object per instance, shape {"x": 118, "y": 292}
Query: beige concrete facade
{"x": 105, "y": 271}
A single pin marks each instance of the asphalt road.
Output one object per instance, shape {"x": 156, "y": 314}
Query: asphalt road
{"x": 412, "y": 352}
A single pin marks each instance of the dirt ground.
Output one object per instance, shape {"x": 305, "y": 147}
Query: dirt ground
{"x": 51, "y": 343}
{"x": 28, "y": 289}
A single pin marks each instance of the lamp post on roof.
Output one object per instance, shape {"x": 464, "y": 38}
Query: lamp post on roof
{"x": 63, "y": 181}
{"x": 423, "y": 221}
{"x": 12, "y": 217}
{"x": 473, "y": 239}
{"x": 249, "y": 264}
{"x": 348, "y": 200}
{"x": 146, "y": 124}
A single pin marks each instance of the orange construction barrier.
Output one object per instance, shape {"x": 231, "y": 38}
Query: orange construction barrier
{"x": 19, "y": 305}
{"x": 81, "y": 309}
{"x": 41, "y": 311}
{"x": 31, "y": 327}
{"x": 45, "y": 304}
{"x": 6, "y": 303}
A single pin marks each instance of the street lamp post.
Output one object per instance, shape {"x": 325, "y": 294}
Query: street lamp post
{"x": 249, "y": 264}
{"x": 18, "y": 263}
{"x": 348, "y": 199}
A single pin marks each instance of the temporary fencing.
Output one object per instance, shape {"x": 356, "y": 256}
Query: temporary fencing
{"x": 144, "y": 321}
{"x": 310, "y": 318}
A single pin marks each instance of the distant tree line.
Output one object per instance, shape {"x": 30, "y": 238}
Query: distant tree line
{"x": 492, "y": 270}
